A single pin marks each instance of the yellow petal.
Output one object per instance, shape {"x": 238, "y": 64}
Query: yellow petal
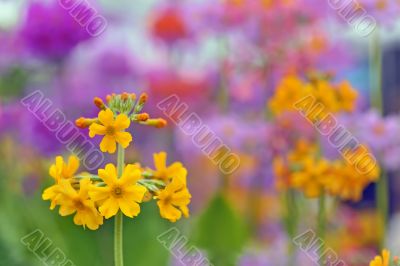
{"x": 96, "y": 129}
{"x": 175, "y": 185}
{"x": 67, "y": 189}
{"x": 178, "y": 171}
{"x": 52, "y": 194}
{"x": 53, "y": 172}
{"x": 169, "y": 212}
{"x": 386, "y": 257}
{"x": 66, "y": 210}
{"x": 181, "y": 198}
{"x": 109, "y": 174}
{"x": 78, "y": 219}
{"x": 73, "y": 165}
{"x": 88, "y": 217}
{"x": 160, "y": 160}
{"x": 135, "y": 193}
{"x": 84, "y": 185}
{"x": 130, "y": 175}
{"x": 123, "y": 138}
{"x": 59, "y": 162}
{"x": 185, "y": 211}
{"x": 56, "y": 169}
{"x": 312, "y": 189}
{"x": 106, "y": 117}
{"x": 129, "y": 208}
{"x": 122, "y": 122}
{"x": 93, "y": 221}
{"x": 109, "y": 208}
{"x": 108, "y": 144}
{"x": 99, "y": 193}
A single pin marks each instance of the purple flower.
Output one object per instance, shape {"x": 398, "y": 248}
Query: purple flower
{"x": 49, "y": 31}
{"x": 97, "y": 71}
{"x": 380, "y": 134}
{"x": 385, "y": 12}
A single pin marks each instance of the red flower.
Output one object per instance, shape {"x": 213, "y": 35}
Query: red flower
{"x": 170, "y": 25}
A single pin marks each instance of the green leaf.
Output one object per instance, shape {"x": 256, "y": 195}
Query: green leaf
{"x": 221, "y": 232}
{"x": 141, "y": 247}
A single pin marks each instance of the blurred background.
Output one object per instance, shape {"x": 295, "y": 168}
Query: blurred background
{"x": 224, "y": 59}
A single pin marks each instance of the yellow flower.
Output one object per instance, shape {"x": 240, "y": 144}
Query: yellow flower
{"x": 381, "y": 260}
{"x": 163, "y": 171}
{"x": 119, "y": 193}
{"x": 311, "y": 177}
{"x": 60, "y": 171}
{"x": 347, "y": 96}
{"x": 173, "y": 200}
{"x": 72, "y": 201}
{"x": 282, "y": 173}
{"x": 325, "y": 97}
{"x": 303, "y": 149}
{"x": 325, "y": 94}
{"x": 112, "y": 129}
{"x": 347, "y": 181}
{"x": 288, "y": 92}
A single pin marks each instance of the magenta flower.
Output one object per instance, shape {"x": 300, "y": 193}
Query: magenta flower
{"x": 49, "y": 31}
{"x": 380, "y": 134}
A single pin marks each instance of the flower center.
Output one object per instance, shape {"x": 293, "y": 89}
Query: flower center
{"x": 110, "y": 130}
{"x": 79, "y": 205}
{"x": 117, "y": 192}
{"x": 168, "y": 200}
{"x": 379, "y": 129}
{"x": 381, "y": 4}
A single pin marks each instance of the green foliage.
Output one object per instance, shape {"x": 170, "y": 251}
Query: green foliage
{"x": 221, "y": 232}
{"x": 13, "y": 82}
{"x": 22, "y": 215}
{"x": 141, "y": 247}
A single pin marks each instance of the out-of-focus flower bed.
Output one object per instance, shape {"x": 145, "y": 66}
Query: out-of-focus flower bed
{"x": 279, "y": 111}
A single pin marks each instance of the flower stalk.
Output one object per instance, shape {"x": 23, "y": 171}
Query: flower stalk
{"x": 321, "y": 224}
{"x": 376, "y": 99}
{"x": 118, "y": 226}
{"x": 291, "y": 223}
{"x": 383, "y": 206}
{"x": 117, "y": 190}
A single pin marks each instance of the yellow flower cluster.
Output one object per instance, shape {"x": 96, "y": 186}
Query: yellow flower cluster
{"x": 305, "y": 170}
{"x": 113, "y": 126}
{"x": 93, "y": 197}
{"x": 383, "y": 260}
{"x": 333, "y": 97}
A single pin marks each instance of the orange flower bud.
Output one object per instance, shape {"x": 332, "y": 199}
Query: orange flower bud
{"x": 161, "y": 123}
{"x": 81, "y": 122}
{"x": 142, "y": 117}
{"x": 99, "y": 103}
{"x": 124, "y": 96}
{"x": 133, "y": 96}
{"x": 108, "y": 98}
{"x": 147, "y": 196}
{"x": 158, "y": 122}
{"x": 143, "y": 98}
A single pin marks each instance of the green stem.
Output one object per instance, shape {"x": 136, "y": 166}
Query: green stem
{"x": 376, "y": 97}
{"x": 321, "y": 223}
{"x": 291, "y": 223}
{"x": 383, "y": 206}
{"x": 118, "y": 227}
{"x": 223, "y": 94}
{"x": 382, "y": 190}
